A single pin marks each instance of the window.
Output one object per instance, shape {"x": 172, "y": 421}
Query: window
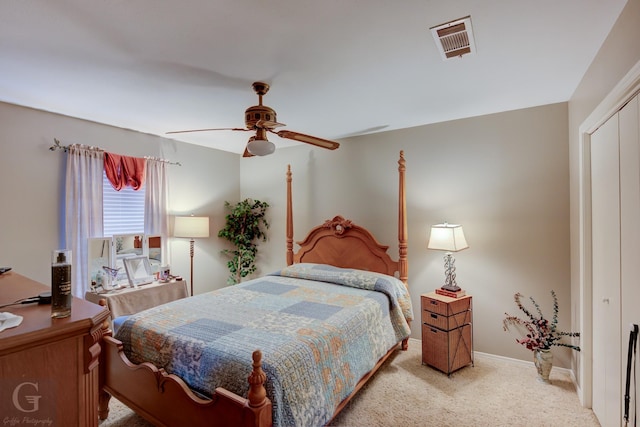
{"x": 123, "y": 211}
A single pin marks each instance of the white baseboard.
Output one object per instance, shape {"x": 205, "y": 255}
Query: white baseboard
{"x": 569, "y": 372}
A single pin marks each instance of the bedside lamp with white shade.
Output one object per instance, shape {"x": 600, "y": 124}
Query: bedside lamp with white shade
{"x": 192, "y": 227}
{"x": 449, "y": 238}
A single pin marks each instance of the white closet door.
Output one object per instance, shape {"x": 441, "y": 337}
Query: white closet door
{"x": 605, "y": 217}
{"x": 630, "y": 227}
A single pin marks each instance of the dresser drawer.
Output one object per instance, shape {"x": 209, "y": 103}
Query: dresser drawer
{"x": 446, "y": 322}
{"x": 446, "y": 306}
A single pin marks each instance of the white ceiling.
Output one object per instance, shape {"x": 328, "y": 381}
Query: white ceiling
{"x": 336, "y": 67}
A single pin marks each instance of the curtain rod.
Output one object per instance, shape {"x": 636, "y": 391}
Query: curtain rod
{"x": 56, "y": 146}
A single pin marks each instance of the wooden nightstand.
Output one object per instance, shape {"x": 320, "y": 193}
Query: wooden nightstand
{"x": 447, "y": 332}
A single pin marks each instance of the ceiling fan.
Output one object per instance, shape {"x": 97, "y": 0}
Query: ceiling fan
{"x": 262, "y": 119}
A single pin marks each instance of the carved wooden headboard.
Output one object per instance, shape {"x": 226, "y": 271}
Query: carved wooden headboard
{"x": 342, "y": 243}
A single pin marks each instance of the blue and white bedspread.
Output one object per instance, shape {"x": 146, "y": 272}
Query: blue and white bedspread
{"x": 320, "y": 329}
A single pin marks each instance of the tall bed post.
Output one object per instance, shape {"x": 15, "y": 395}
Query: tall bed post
{"x": 403, "y": 263}
{"x": 289, "y": 219}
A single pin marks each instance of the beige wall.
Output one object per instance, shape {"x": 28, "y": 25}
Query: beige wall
{"x": 504, "y": 177}
{"x": 32, "y": 183}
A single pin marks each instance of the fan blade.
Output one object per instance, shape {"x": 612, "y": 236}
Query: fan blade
{"x": 313, "y": 140}
{"x": 266, "y": 124}
{"x": 204, "y": 130}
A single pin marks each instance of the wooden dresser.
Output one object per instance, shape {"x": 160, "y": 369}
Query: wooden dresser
{"x": 49, "y": 367}
{"x": 447, "y": 331}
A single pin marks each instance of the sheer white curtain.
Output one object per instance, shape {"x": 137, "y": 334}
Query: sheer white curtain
{"x": 83, "y": 209}
{"x": 156, "y": 206}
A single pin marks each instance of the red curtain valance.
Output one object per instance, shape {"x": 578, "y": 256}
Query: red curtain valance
{"x": 124, "y": 171}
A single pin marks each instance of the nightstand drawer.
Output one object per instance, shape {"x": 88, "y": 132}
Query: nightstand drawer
{"x": 447, "y": 351}
{"x": 446, "y": 322}
{"x": 446, "y": 306}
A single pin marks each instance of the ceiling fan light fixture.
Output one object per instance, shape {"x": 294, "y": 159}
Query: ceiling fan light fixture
{"x": 261, "y": 147}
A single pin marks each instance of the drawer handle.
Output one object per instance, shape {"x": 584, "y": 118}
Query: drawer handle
{"x": 434, "y": 316}
{"x": 433, "y": 302}
{"x": 435, "y": 331}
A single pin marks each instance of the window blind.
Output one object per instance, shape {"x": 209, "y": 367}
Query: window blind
{"x": 123, "y": 211}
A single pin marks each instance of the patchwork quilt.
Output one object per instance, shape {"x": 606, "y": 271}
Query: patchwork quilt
{"x": 320, "y": 329}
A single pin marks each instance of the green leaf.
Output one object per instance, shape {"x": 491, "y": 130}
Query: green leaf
{"x": 245, "y": 226}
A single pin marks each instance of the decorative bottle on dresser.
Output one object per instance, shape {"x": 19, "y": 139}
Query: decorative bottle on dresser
{"x": 61, "y": 283}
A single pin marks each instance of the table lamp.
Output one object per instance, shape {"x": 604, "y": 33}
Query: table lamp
{"x": 449, "y": 238}
{"x": 192, "y": 227}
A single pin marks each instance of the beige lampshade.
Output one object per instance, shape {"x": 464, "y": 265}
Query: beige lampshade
{"x": 447, "y": 237}
{"x": 191, "y": 226}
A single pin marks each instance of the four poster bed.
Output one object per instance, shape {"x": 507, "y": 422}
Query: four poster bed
{"x": 323, "y": 325}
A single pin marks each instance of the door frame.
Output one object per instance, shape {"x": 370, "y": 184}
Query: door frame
{"x": 622, "y": 93}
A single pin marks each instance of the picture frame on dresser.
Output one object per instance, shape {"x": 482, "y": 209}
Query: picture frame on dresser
{"x": 138, "y": 270}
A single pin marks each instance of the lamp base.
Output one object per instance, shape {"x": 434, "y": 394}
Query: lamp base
{"x": 452, "y": 294}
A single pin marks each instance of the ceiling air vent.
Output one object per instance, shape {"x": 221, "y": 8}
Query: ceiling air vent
{"x": 454, "y": 38}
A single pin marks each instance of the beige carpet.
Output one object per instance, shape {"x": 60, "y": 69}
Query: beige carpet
{"x": 494, "y": 392}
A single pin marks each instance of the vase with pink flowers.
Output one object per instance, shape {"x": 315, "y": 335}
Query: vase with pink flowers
{"x": 540, "y": 334}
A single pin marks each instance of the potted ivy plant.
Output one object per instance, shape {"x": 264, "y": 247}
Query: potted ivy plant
{"x": 245, "y": 226}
